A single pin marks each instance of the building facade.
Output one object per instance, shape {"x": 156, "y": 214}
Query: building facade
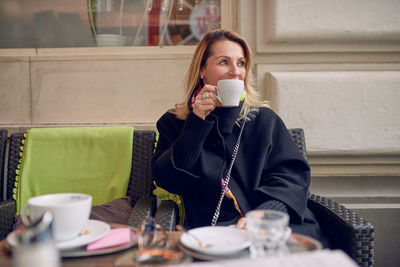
{"x": 329, "y": 67}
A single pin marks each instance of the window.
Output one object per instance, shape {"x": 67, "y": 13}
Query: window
{"x": 78, "y": 23}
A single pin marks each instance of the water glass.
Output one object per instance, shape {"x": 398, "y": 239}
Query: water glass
{"x": 268, "y": 231}
{"x": 153, "y": 248}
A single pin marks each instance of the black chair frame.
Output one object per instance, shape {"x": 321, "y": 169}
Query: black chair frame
{"x": 3, "y": 146}
{"x": 139, "y": 189}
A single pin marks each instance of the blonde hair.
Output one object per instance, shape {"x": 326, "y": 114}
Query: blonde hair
{"x": 193, "y": 81}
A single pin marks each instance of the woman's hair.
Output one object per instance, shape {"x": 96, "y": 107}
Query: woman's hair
{"x": 193, "y": 81}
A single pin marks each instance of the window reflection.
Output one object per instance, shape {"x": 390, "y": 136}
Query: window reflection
{"x": 78, "y": 23}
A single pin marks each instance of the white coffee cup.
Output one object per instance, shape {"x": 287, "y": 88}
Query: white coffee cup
{"x": 229, "y": 92}
{"x": 70, "y": 211}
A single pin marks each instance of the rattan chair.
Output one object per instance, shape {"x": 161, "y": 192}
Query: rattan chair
{"x": 3, "y": 145}
{"x": 345, "y": 229}
{"x": 139, "y": 189}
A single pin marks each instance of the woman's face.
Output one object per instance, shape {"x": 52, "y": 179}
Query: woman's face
{"x": 226, "y": 61}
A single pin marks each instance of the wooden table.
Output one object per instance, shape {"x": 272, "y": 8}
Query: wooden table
{"x": 105, "y": 260}
{"x": 98, "y": 261}
{"x": 303, "y": 243}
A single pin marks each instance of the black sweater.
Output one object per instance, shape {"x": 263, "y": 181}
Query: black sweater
{"x": 269, "y": 172}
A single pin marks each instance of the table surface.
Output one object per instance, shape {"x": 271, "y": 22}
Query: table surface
{"x": 109, "y": 259}
{"x": 104, "y": 260}
{"x": 99, "y": 260}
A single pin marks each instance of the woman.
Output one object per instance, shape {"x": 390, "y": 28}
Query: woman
{"x": 198, "y": 137}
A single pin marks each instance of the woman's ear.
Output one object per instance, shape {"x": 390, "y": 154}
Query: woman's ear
{"x": 201, "y": 72}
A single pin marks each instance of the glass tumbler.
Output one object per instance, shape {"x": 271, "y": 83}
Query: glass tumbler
{"x": 154, "y": 248}
{"x": 268, "y": 231}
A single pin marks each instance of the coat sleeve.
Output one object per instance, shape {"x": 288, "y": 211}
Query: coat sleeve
{"x": 178, "y": 149}
{"x": 286, "y": 174}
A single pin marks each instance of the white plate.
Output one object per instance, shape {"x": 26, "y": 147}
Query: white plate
{"x": 95, "y": 230}
{"x": 222, "y": 240}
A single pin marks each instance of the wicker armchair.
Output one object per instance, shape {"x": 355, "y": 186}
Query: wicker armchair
{"x": 344, "y": 228}
{"x": 3, "y": 145}
{"x": 139, "y": 189}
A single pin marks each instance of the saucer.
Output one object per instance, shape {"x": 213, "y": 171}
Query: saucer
{"x": 210, "y": 257}
{"x": 223, "y": 240}
{"x": 83, "y": 252}
{"x": 92, "y": 230}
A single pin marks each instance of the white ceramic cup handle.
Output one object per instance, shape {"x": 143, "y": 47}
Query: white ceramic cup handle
{"x": 25, "y": 219}
{"x": 217, "y": 95}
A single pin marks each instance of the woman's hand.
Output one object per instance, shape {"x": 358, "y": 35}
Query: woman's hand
{"x": 241, "y": 223}
{"x": 205, "y": 101}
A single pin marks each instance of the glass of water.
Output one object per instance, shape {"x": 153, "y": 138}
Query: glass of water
{"x": 268, "y": 231}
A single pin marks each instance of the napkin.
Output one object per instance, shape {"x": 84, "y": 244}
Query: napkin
{"x": 115, "y": 237}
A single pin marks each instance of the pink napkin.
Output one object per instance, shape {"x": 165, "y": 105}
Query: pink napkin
{"x": 116, "y": 237}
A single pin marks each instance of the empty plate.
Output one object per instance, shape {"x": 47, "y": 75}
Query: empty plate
{"x": 221, "y": 240}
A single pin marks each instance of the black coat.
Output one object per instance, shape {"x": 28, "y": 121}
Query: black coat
{"x": 269, "y": 172}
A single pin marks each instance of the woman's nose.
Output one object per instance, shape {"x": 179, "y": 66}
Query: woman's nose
{"x": 234, "y": 71}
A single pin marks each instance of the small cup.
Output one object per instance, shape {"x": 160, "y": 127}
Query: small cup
{"x": 229, "y": 92}
{"x": 268, "y": 231}
{"x": 70, "y": 211}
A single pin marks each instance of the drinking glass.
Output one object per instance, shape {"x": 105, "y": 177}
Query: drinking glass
{"x": 153, "y": 248}
{"x": 268, "y": 231}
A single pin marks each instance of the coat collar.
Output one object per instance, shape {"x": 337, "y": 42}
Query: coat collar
{"x": 226, "y": 117}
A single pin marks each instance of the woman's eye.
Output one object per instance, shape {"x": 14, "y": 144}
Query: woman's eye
{"x": 223, "y": 62}
{"x": 240, "y": 63}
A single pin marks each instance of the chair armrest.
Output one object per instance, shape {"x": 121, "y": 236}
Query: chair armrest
{"x": 7, "y": 217}
{"x": 143, "y": 208}
{"x": 345, "y": 229}
{"x": 167, "y": 215}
